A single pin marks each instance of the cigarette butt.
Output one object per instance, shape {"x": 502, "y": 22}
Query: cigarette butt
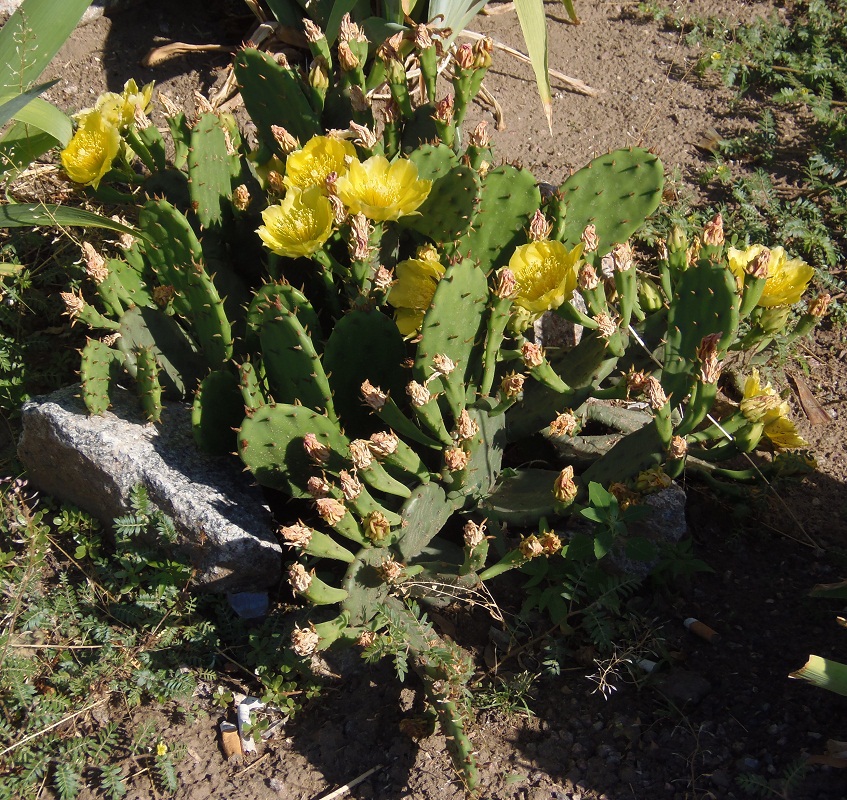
{"x": 230, "y": 741}
{"x": 702, "y": 630}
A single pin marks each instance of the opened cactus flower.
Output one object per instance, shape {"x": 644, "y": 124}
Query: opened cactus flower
{"x": 319, "y": 158}
{"x": 92, "y": 149}
{"x": 299, "y": 225}
{"x": 787, "y": 278}
{"x": 546, "y": 275}
{"x": 382, "y": 190}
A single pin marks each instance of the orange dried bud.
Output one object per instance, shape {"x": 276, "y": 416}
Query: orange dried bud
{"x": 455, "y": 459}
{"x": 360, "y": 231}
{"x": 442, "y": 364}
{"x": 707, "y": 353}
{"x": 390, "y": 570}
{"x": 319, "y": 453}
{"x": 550, "y": 543}
{"x": 530, "y": 547}
{"x": 818, "y": 307}
{"x": 346, "y": 57}
{"x": 622, "y": 257}
{"x": 444, "y": 109}
{"x": 318, "y": 487}
{"x": 759, "y": 267}
{"x": 95, "y": 264}
{"x": 507, "y": 285}
{"x": 564, "y": 487}
{"x": 383, "y": 279}
{"x": 287, "y": 143}
{"x": 74, "y": 304}
{"x": 241, "y": 197}
{"x": 313, "y": 32}
{"x": 512, "y": 384}
{"x": 678, "y": 448}
{"x": 366, "y": 639}
{"x": 656, "y": 396}
{"x": 373, "y": 395}
{"x": 423, "y": 40}
{"x": 304, "y": 641}
{"x": 464, "y": 56}
{"x": 479, "y": 136}
{"x": 563, "y": 425}
{"x": 713, "y": 232}
{"x": 350, "y": 31}
{"x": 606, "y": 326}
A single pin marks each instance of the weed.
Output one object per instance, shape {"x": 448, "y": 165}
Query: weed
{"x": 782, "y": 787}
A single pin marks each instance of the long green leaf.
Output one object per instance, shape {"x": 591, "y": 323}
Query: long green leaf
{"x": 32, "y": 36}
{"x": 534, "y": 27}
{"x": 20, "y": 146}
{"x": 11, "y": 103}
{"x": 456, "y": 13}
{"x": 40, "y": 114}
{"x": 333, "y": 24}
{"x": 24, "y": 215}
{"x": 826, "y": 674}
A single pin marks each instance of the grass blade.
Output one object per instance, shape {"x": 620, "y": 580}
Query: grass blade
{"x": 534, "y": 27}
{"x": 20, "y": 215}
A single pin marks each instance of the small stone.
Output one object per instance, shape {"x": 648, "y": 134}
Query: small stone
{"x": 683, "y": 686}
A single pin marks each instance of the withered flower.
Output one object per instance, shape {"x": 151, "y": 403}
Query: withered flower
{"x": 550, "y": 543}
{"x": 383, "y": 443}
{"x": 377, "y": 526}
{"x": 299, "y": 579}
{"x": 455, "y": 459}
{"x": 678, "y": 448}
{"x": 474, "y": 534}
{"x": 351, "y": 486}
{"x": 304, "y": 641}
{"x": 564, "y": 487}
{"x": 563, "y": 425}
{"x": 532, "y": 354}
{"x": 656, "y": 396}
{"x": 418, "y": 394}
{"x": 466, "y": 427}
{"x": 587, "y": 278}
{"x": 373, "y": 395}
{"x": 318, "y": 487}
{"x": 512, "y": 384}
{"x": 530, "y": 547}
{"x": 713, "y": 232}
{"x": 360, "y": 453}
{"x": 319, "y": 453}
{"x": 590, "y": 242}
{"x": 331, "y": 511}
{"x": 539, "y": 227}
{"x": 297, "y": 535}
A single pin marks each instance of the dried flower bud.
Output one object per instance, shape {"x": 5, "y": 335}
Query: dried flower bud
{"x": 373, "y": 395}
{"x": 318, "y": 487}
{"x": 346, "y": 57}
{"x": 590, "y": 242}
{"x": 282, "y": 60}
{"x": 140, "y": 119}
{"x": 276, "y": 182}
{"x": 444, "y": 109}
{"x": 662, "y": 248}
{"x": 360, "y": 453}
{"x": 530, "y": 547}
{"x": 366, "y": 639}
{"x": 377, "y": 526}
{"x": 339, "y": 210}
{"x": 482, "y": 53}
{"x": 564, "y": 488}
{"x": 442, "y": 364}
{"x": 464, "y": 56}
{"x": 313, "y": 33}
{"x": 287, "y": 143}
{"x": 653, "y": 480}
{"x": 383, "y": 279}
{"x": 466, "y": 427}
{"x": 759, "y": 267}
{"x": 350, "y": 31}
{"x": 365, "y": 137}
{"x": 455, "y": 459}
{"x": 418, "y": 394}
{"x": 383, "y": 444}
{"x": 713, "y": 232}
{"x": 474, "y": 534}
{"x": 693, "y": 253}
{"x": 296, "y": 535}
{"x": 635, "y": 382}
{"x": 550, "y": 543}
{"x": 587, "y": 279}
{"x": 351, "y": 486}
{"x": 512, "y": 384}
{"x": 74, "y": 304}
{"x": 110, "y": 338}
{"x": 423, "y": 40}
{"x": 391, "y": 571}
{"x": 241, "y": 197}
{"x": 539, "y": 227}
{"x": 202, "y": 104}
{"x": 95, "y": 264}
{"x": 299, "y": 579}
{"x": 479, "y": 136}
{"x": 678, "y": 448}
{"x": 656, "y": 396}
{"x": 162, "y": 295}
{"x": 360, "y": 231}
{"x": 170, "y": 107}
{"x": 606, "y": 326}
{"x": 507, "y": 285}
{"x": 304, "y": 641}
{"x": 818, "y": 307}
{"x": 563, "y": 425}
{"x": 331, "y": 511}
{"x": 532, "y": 355}
{"x": 319, "y": 453}
{"x": 624, "y": 495}
{"x": 390, "y": 112}
{"x": 622, "y": 257}
{"x": 707, "y": 354}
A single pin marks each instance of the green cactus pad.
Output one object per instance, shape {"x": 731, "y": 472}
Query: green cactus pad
{"x": 615, "y": 192}
{"x": 522, "y": 498}
{"x": 364, "y": 345}
{"x": 270, "y": 442}
{"x": 486, "y": 451}
{"x": 177, "y": 355}
{"x": 424, "y": 515}
{"x": 365, "y": 587}
{"x": 209, "y": 170}
{"x": 274, "y": 95}
{"x": 96, "y": 369}
{"x": 292, "y": 366}
{"x": 217, "y": 411}
{"x": 433, "y": 161}
{"x": 508, "y": 199}
{"x": 637, "y": 451}
{"x": 147, "y": 382}
{"x": 134, "y": 283}
{"x": 706, "y": 301}
{"x": 271, "y": 298}
{"x": 450, "y": 210}
{"x": 454, "y": 326}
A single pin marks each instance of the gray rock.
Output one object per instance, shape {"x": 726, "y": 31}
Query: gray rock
{"x": 94, "y": 462}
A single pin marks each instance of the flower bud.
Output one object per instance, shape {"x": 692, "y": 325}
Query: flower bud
{"x": 622, "y": 257}
{"x": 507, "y": 285}
{"x": 539, "y": 227}
{"x": 287, "y": 143}
{"x": 466, "y": 427}
{"x": 360, "y": 453}
{"x": 564, "y": 488}
{"x": 95, "y": 264}
{"x": 530, "y": 547}
{"x": 464, "y": 56}
{"x": 713, "y": 232}
{"x": 455, "y": 459}
{"x": 678, "y": 448}
{"x": 319, "y": 453}
{"x": 373, "y": 395}
{"x": 299, "y": 579}
{"x": 418, "y": 394}
{"x": 331, "y": 511}
{"x": 304, "y": 641}
{"x": 479, "y": 136}
{"x": 759, "y": 267}
{"x": 587, "y": 279}
{"x": 563, "y": 425}
{"x": 319, "y": 74}
{"x": 241, "y": 197}
{"x": 656, "y": 396}
{"x": 296, "y": 535}
{"x": 532, "y": 355}
{"x": 678, "y": 240}
{"x": 590, "y": 242}
{"x": 360, "y": 231}
{"x": 351, "y": 486}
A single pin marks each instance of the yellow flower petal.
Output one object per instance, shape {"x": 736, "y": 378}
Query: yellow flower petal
{"x": 762, "y": 404}
{"x": 381, "y": 190}
{"x": 299, "y": 225}
{"x": 545, "y": 273}
{"x": 787, "y": 278}
{"x": 412, "y": 292}
{"x": 312, "y": 164}
{"x": 91, "y": 150}
{"x": 783, "y": 434}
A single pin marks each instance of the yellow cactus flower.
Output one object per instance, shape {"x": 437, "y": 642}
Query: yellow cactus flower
{"x": 381, "y": 190}
{"x": 313, "y": 163}
{"x": 762, "y": 404}
{"x": 787, "y": 278}
{"x": 545, "y": 275}
{"x": 91, "y": 150}
{"x": 412, "y": 292}
{"x": 299, "y": 225}
{"x": 119, "y": 109}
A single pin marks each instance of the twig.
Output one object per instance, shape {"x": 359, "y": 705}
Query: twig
{"x": 54, "y": 725}
{"x": 250, "y": 766}
{"x": 574, "y": 84}
{"x": 342, "y": 790}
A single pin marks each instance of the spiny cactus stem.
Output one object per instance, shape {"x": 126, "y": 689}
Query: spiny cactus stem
{"x": 322, "y": 594}
{"x": 667, "y": 286}
{"x": 140, "y": 148}
{"x": 513, "y": 559}
{"x": 429, "y": 70}
{"x": 392, "y": 416}
{"x": 329, "y": 265}
{"x": 753, "y": 288}
{"x": 573, "y": 314}
{"x": 626, "y": 284}
{"x": 700, "y": 403}
{"x": 497, "y": 321}
{"x": 430, "y": 415}
{"x": 94, "y": 319}
{"x": 718, "y": 431}
{"x": 376, "y": 477}
{"x": 595, "y": 299}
